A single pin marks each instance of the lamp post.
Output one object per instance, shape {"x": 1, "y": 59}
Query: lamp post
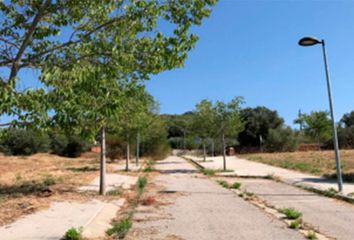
{"x": 310, "y": 41}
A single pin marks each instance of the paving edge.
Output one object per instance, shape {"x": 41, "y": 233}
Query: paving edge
{"x": 321, "y": 192}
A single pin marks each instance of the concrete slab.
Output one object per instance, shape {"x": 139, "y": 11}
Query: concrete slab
{"x": 99, "y": 224}
{"x": 52, "y": 223}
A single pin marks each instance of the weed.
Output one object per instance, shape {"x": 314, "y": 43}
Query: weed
{"x": 115, "y": 192}
{"x": 208, "y": 172}
{"x": 311, "y": 235}
{"x": 73, "y": 234}
{"x": 149, "y": 166}
{"x": 241, "y": 195}
{"x": 249, "y": 194}
{"x": 223, "y": 183}
{"x": 235, "y": 185}
{"x": 290, "y": 213}
{"x": 142, "y": 182}
{"x": 49, "y": 180}
{"x": 296, "y": 224}
{"x": 121, "y": 228}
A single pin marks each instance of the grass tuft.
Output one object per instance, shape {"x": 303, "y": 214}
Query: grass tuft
{"x": 311, "y": 235}
{"x": 73, "y": 234}
{"x": 296, "y": 224}
{"x": 121, "y": 228}
{"x": 208, "y": 172}
{"x": 290, "y": 213}
{"x": 235, "y": 185}
{"x": 142, "y": 182}
{"x": 223, "y": 183}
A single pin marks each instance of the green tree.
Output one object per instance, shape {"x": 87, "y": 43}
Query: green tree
{"x": 258, "y": 121}
{"x": 49, "y": 36}
{"x": 227, "y": 116}
{"x": 317, "y": 126}
{"x": 281, "y": 139}
{"x": 203, "y": 122}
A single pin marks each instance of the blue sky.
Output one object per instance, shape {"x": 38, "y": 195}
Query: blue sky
{"x": 249, "y": 48}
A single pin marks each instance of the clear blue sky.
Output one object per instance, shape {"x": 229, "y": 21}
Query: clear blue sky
{"x": 249, "y": 48}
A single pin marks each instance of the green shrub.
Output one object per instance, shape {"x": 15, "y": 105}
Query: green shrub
{"x": 115, "y": 192}
{"x": 290, "y": 213}
{"x": 235, "y": 185}
{"x": 115, "y": 147}
{"x": 121, "y": 228}
{"x": 73, "y": 234}
{"x": 282, "y": 139}
{"x": 72, "y": 146}
{"x": 23, "y": 142}
{"x": 142, "y": 182}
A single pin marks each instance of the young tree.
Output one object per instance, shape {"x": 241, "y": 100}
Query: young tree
{"x": 203, "y": 122}
{"x": 227, "y": 116}
{"x": 50, "y": 35}
{"x": 317, "y": 125}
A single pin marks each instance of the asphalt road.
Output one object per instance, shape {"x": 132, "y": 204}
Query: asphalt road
{"x": 200, "y": 209}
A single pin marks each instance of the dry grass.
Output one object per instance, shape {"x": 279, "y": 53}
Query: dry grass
{"x": 31, "y": 183}
{"x": 314, "y": 162}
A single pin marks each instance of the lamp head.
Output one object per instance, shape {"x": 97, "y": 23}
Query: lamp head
{"x": 309, "y": 41}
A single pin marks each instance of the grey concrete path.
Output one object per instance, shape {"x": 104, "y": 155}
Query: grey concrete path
{"x": 246, "y": 168}
{"x": 200, "y": 209}
{"x": 94, "y": 216}
{"x": 330, "y": 217}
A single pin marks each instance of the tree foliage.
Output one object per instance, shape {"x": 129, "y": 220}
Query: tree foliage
{"x": 258, "y": 121}
{"x": 317, "y": 126}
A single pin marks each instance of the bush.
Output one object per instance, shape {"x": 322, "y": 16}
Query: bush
{"x": 208, "y": 171}
{"x": 23, "y": 142}
{"x": 115, "y": 147}
{"x": 223, "y": 183}
{"x": 73, "y": 234}
{"x": 281, "y": 140}
{"x": 235, "y": 185}
{"x": 72, "y": 146}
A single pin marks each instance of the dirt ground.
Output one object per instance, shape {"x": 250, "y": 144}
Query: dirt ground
{"x": 29, "y": 183}
{"x": 314, "y": 162}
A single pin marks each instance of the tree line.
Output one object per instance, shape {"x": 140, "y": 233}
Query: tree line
{"x": 212, "y": 126}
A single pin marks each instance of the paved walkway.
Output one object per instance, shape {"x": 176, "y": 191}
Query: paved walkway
{"x": 200, "y": 209}
{"x": 52, "y": 223}
{"x": 246, "y": 168}
{"x": 330, "y": 217}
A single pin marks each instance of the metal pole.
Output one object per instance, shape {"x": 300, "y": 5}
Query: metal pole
{"x": 137, "y": 149}
{"x": 335, "y": 138}
{"x": 103, "y": 162}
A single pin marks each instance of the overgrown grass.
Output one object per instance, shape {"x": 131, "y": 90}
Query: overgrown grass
{"x": 315, "y": 162}
{"x": 49, "y": 180}
{"x": 73, "y": 234}
{"x": 311, "y": 235}
{"x": 296, "y": 224}
{"x": 235, "y": 185}
{"x": 141, "y": 183}
{"x": 115, "y": 192}
{"x": 208, "y": 172}
{"x": 290, "y": 213}
{"x": 223, "y": 183}
{"x": 121, "y": 228}
{"x": 149, "y": 166}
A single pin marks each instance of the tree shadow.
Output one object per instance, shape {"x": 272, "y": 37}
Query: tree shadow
{"x": 83, "y": 169}
{"x": 347, "y": 177}
{"x": 25, "y": 188}
{"x": 172, "y": 171}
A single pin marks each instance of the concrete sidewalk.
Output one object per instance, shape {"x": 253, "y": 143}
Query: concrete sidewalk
{"x": 94, "y": 216}
{"x": 246, "y": 168}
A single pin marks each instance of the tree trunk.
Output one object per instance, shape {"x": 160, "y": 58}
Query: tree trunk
{"x": 137, "y": 149}
{"x": 128, "y": 155}
{"x": 204, "y": 151}
{"x": 224, "y": 150}
{"x": 103, "y": 162}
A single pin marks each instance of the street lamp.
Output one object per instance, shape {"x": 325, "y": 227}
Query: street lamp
{"x": 310, "y": 41}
